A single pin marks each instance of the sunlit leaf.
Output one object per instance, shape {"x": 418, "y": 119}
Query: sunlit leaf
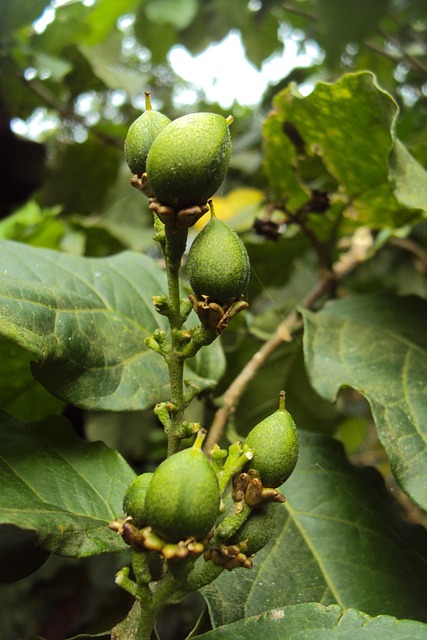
{"x": 408, "y": 178}
{"x": 331, "y": 124}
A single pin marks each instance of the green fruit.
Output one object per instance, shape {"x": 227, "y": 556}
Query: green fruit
{"x": 218, "y": 263}
{"x": 134, "y": 499}
{"x": 275, "y": 444}
{"x": 257, "y": 530}
{"x": 183, "y": 497}
{"x": 189, "y": 159}
{"x": 140, "y": 136}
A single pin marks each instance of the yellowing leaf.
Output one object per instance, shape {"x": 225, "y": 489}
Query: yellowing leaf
{"x": 238, "y": 208}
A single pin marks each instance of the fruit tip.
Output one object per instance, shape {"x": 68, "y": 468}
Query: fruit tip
{"x": 211, "y": 208}
{"x": 200, "y": 436}
{"x": 148, "y": 106}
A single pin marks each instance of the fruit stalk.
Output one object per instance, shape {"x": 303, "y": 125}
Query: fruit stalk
{"x": 173, "y": 249}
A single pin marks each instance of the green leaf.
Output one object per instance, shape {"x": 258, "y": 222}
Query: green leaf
{"x": 103, "y": 18}
{"x": 339, "y": 540}
{"x": 408, "y": 178}
{"x": 92, "y": 162}
{"x": 260, "y": 37}
{"x": 106, "y": 61}
{"x": 21, "y": 395}
{"x": 60, "y": 487}
{"x": 34, "y": 225}
{"x": 178, "y": 13}
{"x": 331, "y": 124}
{"x": 313, "y": 621}
{"x": 20, "y": 555}
{"x": 341, "y": 23}
{"x": 378, "y": 345}
{"x": 85, "y": 321}
{"x": 17, "y": 14}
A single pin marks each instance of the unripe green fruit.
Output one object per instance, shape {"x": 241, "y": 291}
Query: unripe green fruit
{"x": 141, "y": 135}
{"x": 218, "y": 263}
{"x": 189, "y": 159}
{"x": 134, "y": 499}
{"x": 257, "y": 530}
{"x": 275, "y": 444}
{"x": 183, "y": 496}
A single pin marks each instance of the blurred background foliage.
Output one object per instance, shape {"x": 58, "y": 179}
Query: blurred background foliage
{"x": 72, "y": 79}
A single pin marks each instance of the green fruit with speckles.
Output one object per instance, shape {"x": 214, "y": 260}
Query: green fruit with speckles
{"x": 141, "y": 135}
{"x": 188, "y": 160}
{"x": 134, "y": 499}
{"x": 183, "y": 496}
{"x": 275, "y": 444}
{"x": 218, "y": 263}
{"x": 257, "y": 530}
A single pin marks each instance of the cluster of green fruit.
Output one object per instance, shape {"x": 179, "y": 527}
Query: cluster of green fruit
{"x": 184, "y": 160}
{"x": 181, "y": 164}
{"x": 182, "y": 499}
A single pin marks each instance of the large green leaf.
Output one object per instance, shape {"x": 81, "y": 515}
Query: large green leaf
{"x": 62, "y": 488}
{"x": 408, "y": 178}
{"x": 331, "y": 123}
{"x": 85, "y": 320}
{"x": 378, "y": 345}
{"x": 339, "y": 540}
{"x": 312, "y": 621}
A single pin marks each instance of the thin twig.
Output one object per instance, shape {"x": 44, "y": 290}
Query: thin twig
{"x": 412, "y": 247}
{"x": 299, "y": 12}
{"x": 284, "y": 333}
{"x": 412, "y": 60}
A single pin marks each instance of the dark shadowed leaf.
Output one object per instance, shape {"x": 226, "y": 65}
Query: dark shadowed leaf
{"x": 61, "y": 488}
{"x": 21, "y": 395}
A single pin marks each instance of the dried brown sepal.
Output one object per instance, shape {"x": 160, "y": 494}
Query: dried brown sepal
{"x": 247, "y": 487}
{"x": 147, "y": 539}
{"x": 213, "y": 315}
{"x": 230, "y": 557}
{"x": 183, "y": 218}
{"x": 141, "y": 183}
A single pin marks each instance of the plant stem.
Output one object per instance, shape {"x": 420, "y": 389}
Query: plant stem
{"x": 283, "y": 333}
{"x": 174, "y": 247}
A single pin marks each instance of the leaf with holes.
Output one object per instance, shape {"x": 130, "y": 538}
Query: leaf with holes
{"x": 322, "y": 138}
